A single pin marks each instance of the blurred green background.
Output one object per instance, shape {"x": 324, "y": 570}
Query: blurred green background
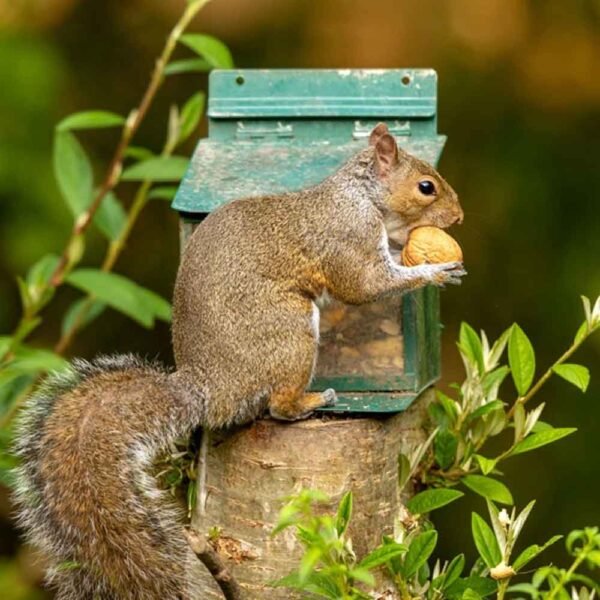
{"x": 519, "y": 99}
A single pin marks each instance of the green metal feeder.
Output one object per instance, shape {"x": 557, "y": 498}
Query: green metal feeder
{"x": 280, "y": 130}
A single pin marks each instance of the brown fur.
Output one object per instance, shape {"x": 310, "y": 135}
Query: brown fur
{"x": 245, "y": 331}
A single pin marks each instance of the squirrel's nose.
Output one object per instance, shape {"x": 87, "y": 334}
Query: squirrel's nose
{"x": 460, "y": 217}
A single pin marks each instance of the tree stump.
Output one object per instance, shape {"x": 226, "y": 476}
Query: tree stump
{"x": 250, "y": 470}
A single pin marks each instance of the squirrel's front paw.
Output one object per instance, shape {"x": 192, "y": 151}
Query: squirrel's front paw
{"x": 443, "y": 273}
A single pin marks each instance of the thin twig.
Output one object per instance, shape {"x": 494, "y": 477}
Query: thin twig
{"x": 214, "y": 563}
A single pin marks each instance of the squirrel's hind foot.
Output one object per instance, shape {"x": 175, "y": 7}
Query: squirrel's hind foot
{"x": 293, "y": 407}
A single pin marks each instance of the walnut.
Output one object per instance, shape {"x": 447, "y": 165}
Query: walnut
{"x": 430, "y": 245}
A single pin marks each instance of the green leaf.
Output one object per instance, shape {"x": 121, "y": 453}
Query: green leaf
{"x": 11, "y": 380}
{"x": 213, "y": 50}
{"x": 485, "y": 409}
{"x": 498, "y": 348}
{"x": 526, "y": 588}
{"x": 111, "y": 217}
{"x": 429, "y": 500}
{"x": 34, "y": 360}
{"x": 404, "y": 470}
{"x": 90, "y": 119}
{"x": 541, "y": 438}
{"x": 164, "y": 192}
{"x": 190, "y": 116}
{"x": 138, "y": 153}
{"x": 594, "y": 557}
{"x": 454, "y": 570}
{"x": 344, "y": 513}
{"x": 487, "y": 465}
{"x": 493, "y": 380}
{"x": 470, "y": 345}
{"x": 362, "y": 575}
{"x": 482, "y": 585}
{"x": 578, "y": 375}
{"x": 187, "y": 65}
{"x": 73, "y": 172}
{"x": 5, "y": 343}
{"x": 489, "y": 488}
{"x": 485, "y": 541}
{"x": 308, "y": 562}
{"x": 165, "y": 168}
{"x": 521, "y": 358}
{"x": 470, "y": 594}
{"x": 449, "y": 405}
{"x": 317, "y": 583}
{"x": 307, "y": 536}
{"x": 382, "y": 555}
{"x": 541, "y": 426}
{"x": 499, "y": 528}
{"x": 419, "y": 551}
{"x": 82, "y": 311}
{"x": 577, "y": 535}
{"x": 445, "y": 444}
{"x": 120, "y": 293}
{"x": 288, "y": 516}
{"x": 39, "y": 274}
{"x": 156, "y": 304}
{"x": 531, "y": 552}
{"x": 191, "y": 497}
{"x": 439, "y": 416}
{"x": 26, "y": 299}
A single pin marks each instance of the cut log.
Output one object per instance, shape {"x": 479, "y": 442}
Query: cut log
{"x": 252, "y": 469}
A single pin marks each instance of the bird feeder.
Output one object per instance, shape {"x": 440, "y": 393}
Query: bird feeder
{"x": 273, "y": 131}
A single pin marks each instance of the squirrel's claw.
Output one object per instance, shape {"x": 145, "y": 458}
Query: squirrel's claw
{"x": 448, "y": 273}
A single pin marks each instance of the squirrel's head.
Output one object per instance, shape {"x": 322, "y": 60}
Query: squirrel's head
{"x": 416, "y": 195}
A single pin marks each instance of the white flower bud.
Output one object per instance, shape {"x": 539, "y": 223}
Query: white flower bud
{"x": 502, "y": 571}
{"x": 504, "y": 518}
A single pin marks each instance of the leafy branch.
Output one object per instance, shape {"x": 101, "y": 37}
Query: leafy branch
{"x": 465, "y": 424}
{"x": 71, "y": 184}
{"x": 21, "y": 366}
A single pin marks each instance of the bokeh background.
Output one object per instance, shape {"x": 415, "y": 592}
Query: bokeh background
{"x": 519, "y": 93}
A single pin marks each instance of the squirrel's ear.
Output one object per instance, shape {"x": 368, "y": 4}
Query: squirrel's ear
{"x": 379, "y": 130}
{"x": 386, "y": 154}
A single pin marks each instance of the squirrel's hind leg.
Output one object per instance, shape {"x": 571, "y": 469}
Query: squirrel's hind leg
{"x": 293, "y": 404}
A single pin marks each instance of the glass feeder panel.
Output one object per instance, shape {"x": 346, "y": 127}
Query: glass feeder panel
{"x": 361, "y": 340}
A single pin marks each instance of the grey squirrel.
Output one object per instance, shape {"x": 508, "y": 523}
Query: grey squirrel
{"x": 245, "y": 332}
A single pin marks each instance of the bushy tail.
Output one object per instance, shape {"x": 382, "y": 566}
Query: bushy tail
{"x": 85, "y": 496}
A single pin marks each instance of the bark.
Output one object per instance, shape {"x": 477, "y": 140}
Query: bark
{"x": 251, "y": 470}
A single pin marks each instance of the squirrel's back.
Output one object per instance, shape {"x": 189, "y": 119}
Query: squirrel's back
{"x": 85, "y": 495}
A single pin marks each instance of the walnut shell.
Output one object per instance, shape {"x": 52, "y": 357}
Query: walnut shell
{"x": 430, "y": 245}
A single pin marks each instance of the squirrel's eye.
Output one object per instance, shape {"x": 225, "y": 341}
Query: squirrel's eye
{"x": 426, "y": 187}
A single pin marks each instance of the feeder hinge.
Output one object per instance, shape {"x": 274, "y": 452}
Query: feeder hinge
{"x": 260, "y": 132}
